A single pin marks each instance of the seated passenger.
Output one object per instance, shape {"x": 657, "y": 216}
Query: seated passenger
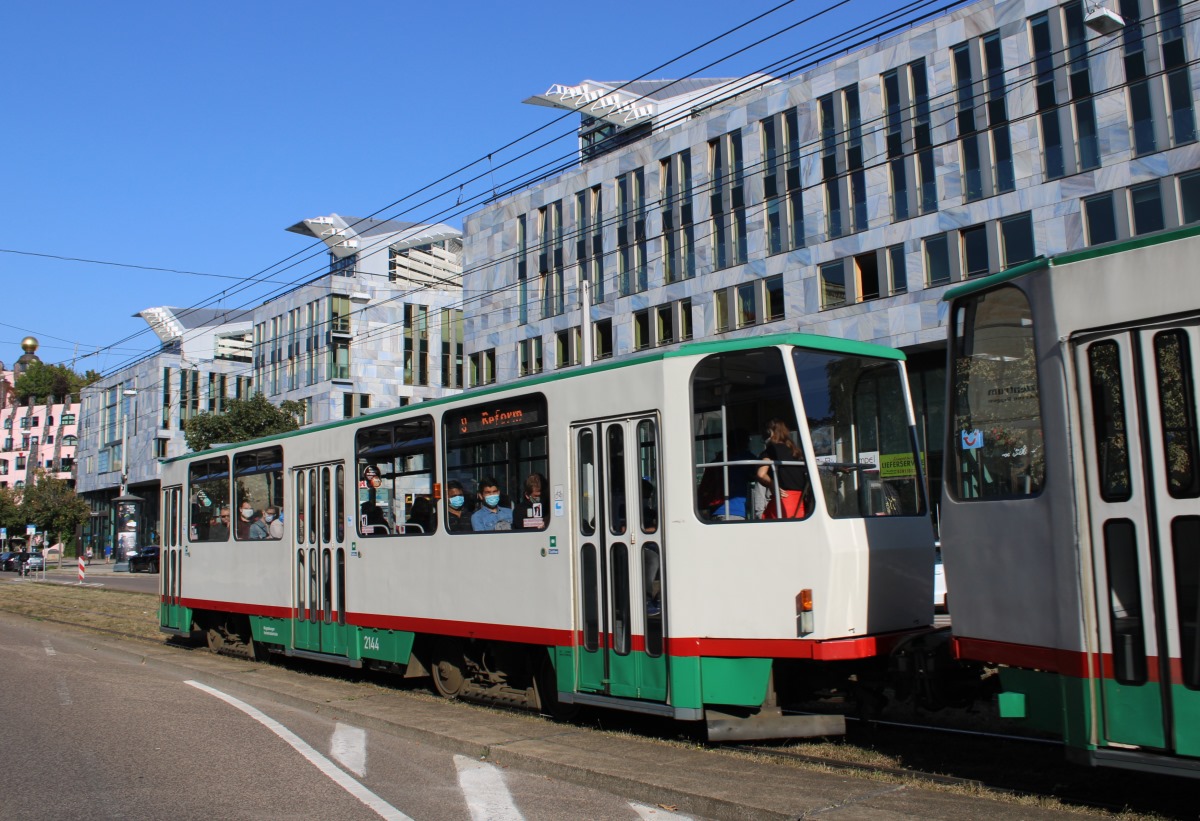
{"x": 421, "y": 515}
{"x": 246, "y": 516}
{"x": 491, "y": 516}
{"x": 272, "y": 523}
{"x": 218, "y": 529}
{"x": 530, "y": 514}
{"x": 458, "y": 515}
{"x": 372, "y": 518}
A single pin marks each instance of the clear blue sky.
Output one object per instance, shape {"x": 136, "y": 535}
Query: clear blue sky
{"x": 190, "y": 135}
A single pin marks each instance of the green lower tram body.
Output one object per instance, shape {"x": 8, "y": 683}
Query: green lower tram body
{"x": 694, "y": 680}
{"x": 1128, "y": 715}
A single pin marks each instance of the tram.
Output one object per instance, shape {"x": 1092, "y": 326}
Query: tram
{"x": 628, "y": 547}
{"x": 1070, "y": 514}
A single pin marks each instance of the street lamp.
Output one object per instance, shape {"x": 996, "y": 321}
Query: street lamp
{"x": 129, "y": 507}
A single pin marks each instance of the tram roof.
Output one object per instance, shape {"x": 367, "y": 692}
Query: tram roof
{"x": 810, "y": 341}
{"x": 1069, "y": 257}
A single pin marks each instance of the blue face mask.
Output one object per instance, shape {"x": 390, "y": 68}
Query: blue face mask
{"x": 457, "y": 501}
{"x": 492, "y": 499}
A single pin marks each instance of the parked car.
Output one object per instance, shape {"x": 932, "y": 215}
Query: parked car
{"x": 15, "y": 561}
{"x": 4, "y": 558}
{"x": 146, "y": 559}
{"x": 36, "y": 563}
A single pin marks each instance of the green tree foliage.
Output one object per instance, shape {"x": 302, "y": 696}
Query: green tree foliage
{"x": 10, "y": 511}
{"x": 41, "y": 380}
{"x": 52, "y": 505}
{"x": 241, "y": 420}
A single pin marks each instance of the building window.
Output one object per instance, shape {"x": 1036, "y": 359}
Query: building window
{"x": 589, "y": 243}
{"x": 664, "y": 324}
{"x": 783, "y": 195}
{"x": 416, "y": 344}
{"x": 728, "y": 200}
{"x": 529, "y": 356}
{"x": 522, "y": 271}
{"x": 20, "y": 463}
{"x": 483, "y": 367}
{"x": 721, "y": 320}
{"x": 1146, "y": 202}
{"x": 1181, "y": 117}
{"x": 747, "y": 304}
{"x": 550, "y": 258}
{"x": 937, "y": 260}
{"x": 342, "y": 266}
{"x": 568, "y": 345}
{"x": 679, "y": 235}
{"x": 604, "y": 339}
{"x": 983, "y": 118}
{"x": 1016, "y": 236}
{"x": 1189, "y": 197}
{"x": 631, "y": 232}
{"x": 974, "y": 250}
{"x": 641, "y": 330}
{"x": 70, "y": 440}
{"x": 1080, "y": 87}
{"x": 866, "y": 276}
{"x": 339, "y": 359}
{"x": 339, "y": 318}
{"x": 1139, "y": 90}
{"x": 897, "y": 269}
{"x": 833, "y": 284}
{"x": 1101, "y": 219}
{"x": 452, "y": 348}
{"x": 842, "y": 162}
{"x": 160, "y": 448}
{"x": 773, "y": 308}
{"x": 1047, "y": 104}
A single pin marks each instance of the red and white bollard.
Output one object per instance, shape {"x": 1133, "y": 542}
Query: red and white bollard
{"x": 81, "y": 569}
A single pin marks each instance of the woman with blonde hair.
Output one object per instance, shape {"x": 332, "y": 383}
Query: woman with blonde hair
{"x": 793, "y": 478}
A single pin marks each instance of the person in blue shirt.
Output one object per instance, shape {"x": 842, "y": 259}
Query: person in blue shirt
{"x": 491, "y": 516}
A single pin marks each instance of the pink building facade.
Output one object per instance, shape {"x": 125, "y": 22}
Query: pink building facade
{"x": 34, "y": 434}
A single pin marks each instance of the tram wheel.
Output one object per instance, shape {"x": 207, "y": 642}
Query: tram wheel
{"x": 448, "y": 678}
{"x": 215, "y": 640}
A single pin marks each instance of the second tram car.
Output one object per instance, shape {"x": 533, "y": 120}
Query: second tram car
{"x": 609, "y": 536}
{"x": 1070, "y": 517}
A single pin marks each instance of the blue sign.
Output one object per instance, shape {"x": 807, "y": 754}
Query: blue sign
{"x": 3, "y": 532}
{"x": 972, "y": 439}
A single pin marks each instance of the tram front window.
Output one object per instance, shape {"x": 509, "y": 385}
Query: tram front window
{"x": 996, "y": 448}
{"x": 856, "y": 413}
{"x": 855, "y": 410}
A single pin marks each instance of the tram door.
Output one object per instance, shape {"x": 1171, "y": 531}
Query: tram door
{"x": 171, "y": 614}
{"x": 319, "y": 560}
{"x": 1138, "y": 403}
{"x": 619, "y": 538}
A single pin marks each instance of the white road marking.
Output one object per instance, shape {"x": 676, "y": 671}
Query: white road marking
{"x": 381, "y": 808}
{"x": 656, "y": 813}
{"x": 349, "y": 747}
{"x": 483, "y": 788}
{"x": 49, "y": 648}
{"x": 64, "y": 692}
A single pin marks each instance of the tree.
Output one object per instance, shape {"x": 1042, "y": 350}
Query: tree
{"x": 10, "y": 511}
{"x": 52, "y": 505}
{"x": 41, "y": 380}
{"x": 242, "y": 419}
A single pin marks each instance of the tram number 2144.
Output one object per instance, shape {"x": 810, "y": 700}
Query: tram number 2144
{"x": 370, "y": 642}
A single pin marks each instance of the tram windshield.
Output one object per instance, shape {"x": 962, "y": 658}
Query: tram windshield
{"x": 744, "y": 418}
{"x": 996, "y": 448}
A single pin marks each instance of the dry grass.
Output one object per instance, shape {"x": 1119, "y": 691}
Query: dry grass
{"x": 108, "y": 611}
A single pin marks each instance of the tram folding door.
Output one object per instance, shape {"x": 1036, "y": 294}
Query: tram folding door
{"x": 171, "y": 613}
{"x": 319, "y": 561}
{"x": 1138, "y": 408}
{"x": 619, "y": 537}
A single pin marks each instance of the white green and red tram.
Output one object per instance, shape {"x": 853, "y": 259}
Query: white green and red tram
{"x": 1070, "y": 517}
{"x": 618, "y": 587}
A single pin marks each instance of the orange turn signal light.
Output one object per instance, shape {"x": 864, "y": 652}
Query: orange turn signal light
{"x": 804, "y": 601}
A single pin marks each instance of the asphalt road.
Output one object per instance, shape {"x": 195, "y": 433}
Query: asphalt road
{"x": 93, "y": 732}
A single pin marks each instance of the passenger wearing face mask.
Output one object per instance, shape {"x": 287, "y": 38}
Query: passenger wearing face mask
{"x": 530, "y": 514}
{"x": 246, "y": 520}
{"x": 491, "y": 516}
{"x": 458, "y": 515}
{"x": 271, "y": 522}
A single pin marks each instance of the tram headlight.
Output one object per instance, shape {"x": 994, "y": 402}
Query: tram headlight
{"x": 804, "y": 612}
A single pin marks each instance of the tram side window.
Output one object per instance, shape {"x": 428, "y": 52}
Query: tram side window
{"x": 506, "y": 442}
{"x": 996, "y": 447}
{"x": 1177, "y": 406}
{"x": 258, "y": 496}
{"x": 734, "y": 396}
{"x": 856, "y": 414}
{"x": 208, "y": 496}
{"x": 395, "y": 478}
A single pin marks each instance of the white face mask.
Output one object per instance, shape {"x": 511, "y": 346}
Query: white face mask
{"x": 247, "y": 512}
{"x": 270, "y": 517}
